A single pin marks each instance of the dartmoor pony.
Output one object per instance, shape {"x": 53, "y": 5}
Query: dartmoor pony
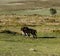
{"x": 28, "y": 32}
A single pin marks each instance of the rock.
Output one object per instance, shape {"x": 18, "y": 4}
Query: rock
{"x": 32, "y": 49}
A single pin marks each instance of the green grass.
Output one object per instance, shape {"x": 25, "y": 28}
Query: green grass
{"x": 18, "y": 45}
{"x": 44, "y": 11}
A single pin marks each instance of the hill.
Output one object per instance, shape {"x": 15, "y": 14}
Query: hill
{"x": 28, "y": 4}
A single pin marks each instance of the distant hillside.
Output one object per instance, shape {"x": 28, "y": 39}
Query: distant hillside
{"x": 28, "y": 4}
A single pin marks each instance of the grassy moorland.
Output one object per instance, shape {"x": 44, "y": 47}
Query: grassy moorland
{"x": 47, "y": 43}
{"x": 28, "y": 4}
{"x": 18, "y": 45}
{"x": 35, "y": 14}
{"x": 43, "y": 11}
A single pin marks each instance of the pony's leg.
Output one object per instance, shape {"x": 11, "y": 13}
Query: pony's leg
{"x": 25, "y": 34}
{"x": 28, "y": 34}
{"x": 34, "y": 36}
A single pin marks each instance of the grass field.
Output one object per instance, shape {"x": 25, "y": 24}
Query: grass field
{"x": 18, "y": 45}
{"x": 46, "y": 44}
{"x": 43, "y": 11}
{"x": 35, "y": 14}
